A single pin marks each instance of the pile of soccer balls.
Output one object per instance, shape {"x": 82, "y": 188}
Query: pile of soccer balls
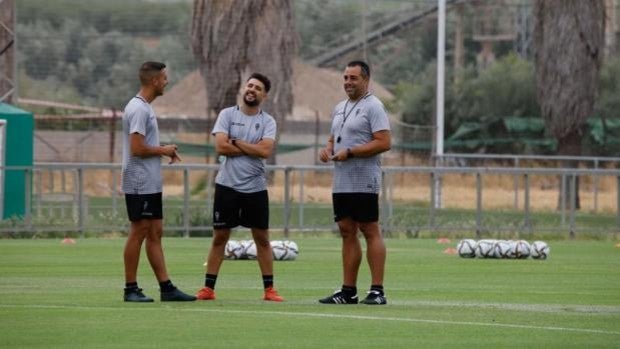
{"x": 487, "y": 248}
{"x": 246, "y": 249}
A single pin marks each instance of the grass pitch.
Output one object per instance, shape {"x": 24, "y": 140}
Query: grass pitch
{"x": 69, "y": 296}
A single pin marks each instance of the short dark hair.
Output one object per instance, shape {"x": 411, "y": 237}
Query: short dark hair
{"x": 262, "y": 78}
{"x": 148, "y": 70}
{"x": 363, "y": 65}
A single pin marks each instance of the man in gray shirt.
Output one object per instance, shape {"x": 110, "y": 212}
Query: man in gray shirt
{"x": 245, "y": 135}
{"x": 142, "y": 185}
{"x": 360, "y": 133}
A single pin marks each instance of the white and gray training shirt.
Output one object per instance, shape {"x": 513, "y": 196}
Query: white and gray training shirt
{"x": 244, "y": 173}
{"x": 140, "y": 175}
{"x": 358, "y": 175}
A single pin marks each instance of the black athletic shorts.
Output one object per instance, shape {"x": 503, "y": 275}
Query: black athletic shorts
{"x": 361, "y": 207}
{"x": 143, "y": 206}
{"x": 232, "y": 208}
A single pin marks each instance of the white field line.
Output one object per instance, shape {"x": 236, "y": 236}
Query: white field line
{"x": 323, "y": 315}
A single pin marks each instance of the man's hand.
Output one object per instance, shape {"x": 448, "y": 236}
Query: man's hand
{"x": 341, "y": 155}
{"x": 174, "y": 158}
{"x": 170, "y": 150}
{"x": 325, "y": 154}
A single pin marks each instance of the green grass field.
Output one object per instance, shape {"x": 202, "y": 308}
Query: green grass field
{"x": 69, "y": 296}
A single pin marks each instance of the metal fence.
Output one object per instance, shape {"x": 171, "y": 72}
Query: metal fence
{"x": 79, "y": 199}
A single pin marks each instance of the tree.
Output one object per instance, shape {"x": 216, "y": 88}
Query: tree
{"x": 233, "y": 38}
{"x": 569, "y": 43}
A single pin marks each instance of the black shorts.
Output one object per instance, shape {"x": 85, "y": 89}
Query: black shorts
{"x": 361, "y": 207}
{"x": 232, "y": 208}
{"x": 143, "y": 206}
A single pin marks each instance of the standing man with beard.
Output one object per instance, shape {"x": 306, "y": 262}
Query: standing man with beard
{"x": 245, "y": 135}
{"x": 360, "y": 133}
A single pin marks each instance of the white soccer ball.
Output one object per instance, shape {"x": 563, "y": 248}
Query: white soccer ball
{"x": 292, "y": 247}
{"x": 284, "y": 250}
{"x": 502, "y": 249}
{"x": 484, "y": 248}
{"x": 249, "y": 249}
{"x": 466, "y": 248}
{"x": 522, "y": 249}
{"x": 539, "y": 250}
{"x": 233, "y": 250}
{"x": 510, "y": 253}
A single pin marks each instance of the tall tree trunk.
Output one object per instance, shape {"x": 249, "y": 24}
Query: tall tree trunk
{"x": 233, "y": 38}
{"x": 569, "y": 43}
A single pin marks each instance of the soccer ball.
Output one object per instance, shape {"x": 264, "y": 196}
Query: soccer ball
{"x": 284, "y": 250}
{"x": 466, "y": 248}
{"x": 502, "y": 249}
{"x": 292, "y": 247}
{"x": 539, "y": 250}
{"x": 522, "y": 249}
{"x": 510, "y": 253}
{"x": 249, "y": 249}
{"x": 233, "y": 250}
{"x": 484, "y": 248}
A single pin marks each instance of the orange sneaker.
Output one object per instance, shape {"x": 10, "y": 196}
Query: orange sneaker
{"x": 206, "y": 294}
{"x": 272, "y": 295}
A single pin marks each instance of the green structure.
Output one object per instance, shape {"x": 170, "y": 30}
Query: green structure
{"x": 16, "y": 149}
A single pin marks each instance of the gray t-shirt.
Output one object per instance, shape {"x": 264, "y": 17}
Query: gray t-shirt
{"x": 357, "y": 175}
{"x": 140, "y": 175}
{"x": 244, "y": 173}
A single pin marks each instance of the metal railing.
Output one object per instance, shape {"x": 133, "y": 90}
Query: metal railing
{"x": 464, "y": 160}
{"x": 84, "y": 198}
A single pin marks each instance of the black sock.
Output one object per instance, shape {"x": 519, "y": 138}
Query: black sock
{"x": 131, "y": 286}
{"x": 267, "y": 281}
{"x": 378, "y": 288}
{"x": 349, "y": 290}
{"x": 166, "y": 286}
{"x": 210, "y": 280}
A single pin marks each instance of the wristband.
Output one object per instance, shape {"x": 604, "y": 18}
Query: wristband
{"x": 233, "y": 142}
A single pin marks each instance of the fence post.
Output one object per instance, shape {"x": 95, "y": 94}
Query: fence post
{"x": 385, "y": 224}
{"x": 618, "y": 201}
{"x": 516, "y": 183}
{"x": 287, "y": 197}
{"x": 595, "y": 187}
{"x": 80, "y": 195}
{"x": 478, "y": 204}
{"x": 38, "y": 178}
{"x": 563, "y": 199}
{"x": 526, "y": 208}
{"x": 390, "y": 176}
{"x": 431, "y": 212}
{"x": 28, "y": 213}
{"x": 185, "y": 203}
{"x": 573, "y": 198}
{"x": 301, "y": 199}
{"x": 113, "y": 191}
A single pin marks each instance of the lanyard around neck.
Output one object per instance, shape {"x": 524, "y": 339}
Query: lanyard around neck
{"x": 345, "y": 115}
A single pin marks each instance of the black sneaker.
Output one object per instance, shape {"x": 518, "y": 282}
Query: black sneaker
{"x": 375, "y": 297}
{"x": 339, "y": 297}
{"x": 135, "y": 294}
{"x": 176, "y": 295}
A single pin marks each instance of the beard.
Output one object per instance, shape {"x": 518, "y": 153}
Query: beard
{"x": 250, "y": 103}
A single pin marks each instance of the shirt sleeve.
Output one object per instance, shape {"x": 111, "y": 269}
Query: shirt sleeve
{"x": 379, "y": 120}
{"x": 222, "y": 124}
{"x": 270, "y": 129}
{"x": 137, "y": 118}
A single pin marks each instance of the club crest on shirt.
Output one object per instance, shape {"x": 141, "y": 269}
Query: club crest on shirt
{"x": 357, "y": 111}
{"x": 257, "y": 126}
